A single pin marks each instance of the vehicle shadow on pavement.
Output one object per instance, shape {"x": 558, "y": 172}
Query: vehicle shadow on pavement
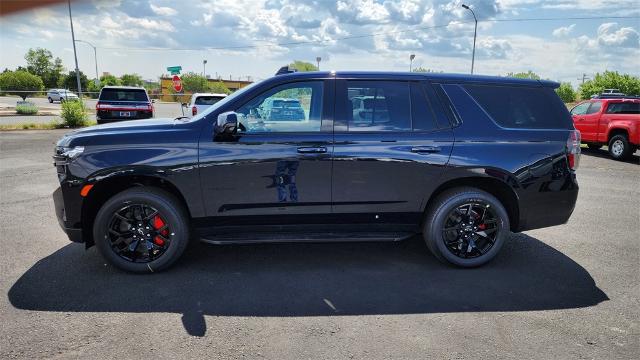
{"x": 604, "y": 154}
{"x": 309, "y": 280}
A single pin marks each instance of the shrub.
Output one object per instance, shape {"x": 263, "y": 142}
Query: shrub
{"x": 26, "y": 109}
{"x": 74, "y": 114}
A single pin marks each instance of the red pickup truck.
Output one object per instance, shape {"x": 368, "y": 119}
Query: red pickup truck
{"x": 613, "y": 122}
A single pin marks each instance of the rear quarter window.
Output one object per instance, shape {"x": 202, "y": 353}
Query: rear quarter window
{"x": 207, "y": 100}
{"x": 522, "y": 107}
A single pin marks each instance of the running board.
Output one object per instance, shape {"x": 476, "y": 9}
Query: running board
{"x": 254, "y": 238}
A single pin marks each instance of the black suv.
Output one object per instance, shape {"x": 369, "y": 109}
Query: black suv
{"x": 118, "y": 103}
{"x": 462, "y": 160}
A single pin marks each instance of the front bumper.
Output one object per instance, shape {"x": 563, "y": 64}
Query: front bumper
{"x": 70, "y": 227}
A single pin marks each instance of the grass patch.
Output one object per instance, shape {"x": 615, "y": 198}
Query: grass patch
{"x": 40, "y": 126}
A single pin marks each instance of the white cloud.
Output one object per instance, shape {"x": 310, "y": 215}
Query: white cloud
{"x": 563, "y": 31}
{"x": 163, "y": 10}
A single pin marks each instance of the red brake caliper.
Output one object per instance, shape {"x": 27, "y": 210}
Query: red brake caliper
{"x": 482, "y": 226}
{"x": 158, "y": 223}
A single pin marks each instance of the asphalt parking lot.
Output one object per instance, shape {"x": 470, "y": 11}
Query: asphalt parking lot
{"x": 570, "y": 291}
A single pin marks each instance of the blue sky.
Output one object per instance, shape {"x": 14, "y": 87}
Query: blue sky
{"x": 146, "y": 36}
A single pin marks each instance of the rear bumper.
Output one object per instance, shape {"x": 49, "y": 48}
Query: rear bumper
{"x": 548, "y": 208}
{"x": 71, "y": 227}
{"x": 108, "y": 116}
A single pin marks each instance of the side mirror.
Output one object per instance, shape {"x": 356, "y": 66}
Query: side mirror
{"x": 227, "y": 123}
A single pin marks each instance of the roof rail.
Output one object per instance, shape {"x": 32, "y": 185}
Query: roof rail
{"x": 286, "y": 70}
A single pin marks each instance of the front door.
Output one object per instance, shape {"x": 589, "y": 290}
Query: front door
{"x": 392, "y": 141}
{"x": 279, "y": 162}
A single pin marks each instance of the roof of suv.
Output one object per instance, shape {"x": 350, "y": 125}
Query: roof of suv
{"x": 440, "y": 77}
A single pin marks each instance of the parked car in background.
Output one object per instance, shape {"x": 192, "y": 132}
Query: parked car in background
{"x": 614, "y": 122}
{"x": 201, "y": 101}
{"x": 118, "y": 103}
{"x": 60, "y": 95}
{"x": 463, "y": 160}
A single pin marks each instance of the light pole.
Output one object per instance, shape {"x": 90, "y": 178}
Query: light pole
{"x": 475, "y": 32}
{"x": 95, "y": 57}
{"x": 204, "y": 68}
{"x": 73, "y": 37}
{"x": 318, "y": 59}
{"x": 411, "y": 57}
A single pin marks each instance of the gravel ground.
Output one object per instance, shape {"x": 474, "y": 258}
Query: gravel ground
{"x": 569, "y": 291}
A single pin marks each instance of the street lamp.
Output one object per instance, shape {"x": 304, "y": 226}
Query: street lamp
{"x": 475, "y": 32}
{"x": 95, "y": 57}
{"x": 411, "y": 57}
{"x": 204, "y": 68}
{"x": 318, "y": 61}
{"x": 75, "y": 56}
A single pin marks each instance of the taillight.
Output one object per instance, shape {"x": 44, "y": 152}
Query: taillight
{"x": 194, "y": 111}
{"x": 573, "y": 149}
{"x": 97, "y": 106}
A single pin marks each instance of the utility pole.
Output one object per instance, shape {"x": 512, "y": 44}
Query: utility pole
{"x": 95, "y": 57}
{"x": 75, "y": 56}
{"x": 411, "y": 57}
{"x": 318, "y": 59}
{"x": 584, "y": 78}
{"x": 475, "y": 33}
{"x": 204, "y": 68}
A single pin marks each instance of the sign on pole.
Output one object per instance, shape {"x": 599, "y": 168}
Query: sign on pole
{"x": 174, "y": 70}
{"x": 177, "y": 83}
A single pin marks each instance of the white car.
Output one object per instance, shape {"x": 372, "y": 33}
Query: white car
{"x": 201, "y": 101}
{"x": 60, "y": 95}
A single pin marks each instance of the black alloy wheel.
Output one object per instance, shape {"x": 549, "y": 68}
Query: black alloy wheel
{"x": 470, "y": 230}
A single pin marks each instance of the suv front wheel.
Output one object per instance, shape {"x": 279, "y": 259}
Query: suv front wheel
{"x": 466, "y": 227}
{"x": 142, "y": 229}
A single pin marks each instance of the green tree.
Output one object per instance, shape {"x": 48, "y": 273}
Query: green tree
{"x": 522, "y": 75}
{"x": 303, "y": 66}
{"x": 109, "y": 80}
{"x": 40, "y": 62}
{"x": 193, "y": 83}
{"x": 69, "y": 81}
{"x": 566, "y": 93}
{"x": 626, "y": 83}
{"x": 20, "y": 83}
{"x": 219, "y": 87}
{"x": 131, "y": 80}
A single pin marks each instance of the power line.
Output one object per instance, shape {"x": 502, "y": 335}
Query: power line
{"x": 267, "y": 43}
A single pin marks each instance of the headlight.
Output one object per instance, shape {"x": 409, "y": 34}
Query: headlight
{"x": 70, "y": 152}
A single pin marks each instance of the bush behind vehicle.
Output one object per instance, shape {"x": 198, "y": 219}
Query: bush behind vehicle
{"x": 26, "y": 109}
{"x": 74, "y": 114}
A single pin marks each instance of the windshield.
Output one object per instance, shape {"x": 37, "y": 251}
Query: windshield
{"x": 208, "y": 100}
{"x": 224, "y": 101}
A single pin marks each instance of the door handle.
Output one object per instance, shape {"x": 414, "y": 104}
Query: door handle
{"x": 312, "y": 150}
{"x": 425, "y": 149}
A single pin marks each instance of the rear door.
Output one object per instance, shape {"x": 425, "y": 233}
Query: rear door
{"x": 392, "y": 141}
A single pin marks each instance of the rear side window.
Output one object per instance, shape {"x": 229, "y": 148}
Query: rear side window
{"x": 123, "y": 95}
{"x": 379, "y": 106}
{"x": 522, "y": 107}
{"x": 624, "y": 108}
{"x": 207, "y": 100}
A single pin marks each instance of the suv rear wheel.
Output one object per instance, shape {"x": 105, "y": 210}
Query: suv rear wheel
{"x": 466, "y": 227}
{"x": 619, "y": 147}
{"x": 141, "y": 230}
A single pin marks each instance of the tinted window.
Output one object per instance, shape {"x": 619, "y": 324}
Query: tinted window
{"x": 293, "y": 107}
{"x": 208, "y": 100}
{"x": 123, "y": 95}
{"x": 580, "y": 109}
{"x": 624, "y": 108}
{"x": 595, "y": 107}
{"x": 422, "y": 114}
{"x": 379, "y": 106}
{"x": 522, "y": 107}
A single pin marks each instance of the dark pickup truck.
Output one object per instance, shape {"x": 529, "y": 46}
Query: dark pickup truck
{"x": 462, "y": 160}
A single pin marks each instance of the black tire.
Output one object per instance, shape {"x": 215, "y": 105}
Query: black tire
{"x": 172, "y": 212}
{"x": 594, "y": 146}
{"x": 439, "y": 213}
{"x": 619, "y": 147}
{"x": 50, "y": 100}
